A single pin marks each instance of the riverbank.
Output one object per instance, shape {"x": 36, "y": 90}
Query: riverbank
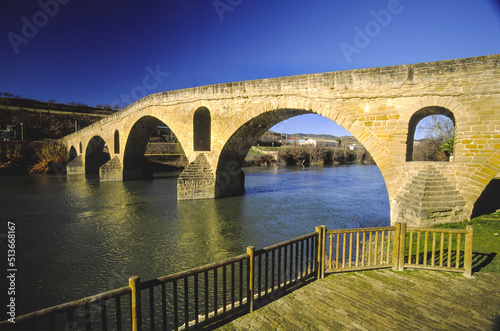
{"x": 307, "y": 155}
{"x": 28, "y": 157}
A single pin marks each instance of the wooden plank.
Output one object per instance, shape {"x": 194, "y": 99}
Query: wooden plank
{"x": 426, "y": 247}
{"x": 433, "y": 260}
{"x": 396, "y": 301}
{"x": 343, "y": 249}
{"x": 370, "y": 249}
{"x": 450, "y": 243}
{"x": 357, "y": 249}
{"x": 417, "y": 262}
{"x": 363, "y": 250}
{"x": 410, "y": 249}
{"x": 350, "y": 249}
{"x": 441, "y": 251}
{"x": 337, "y": 251}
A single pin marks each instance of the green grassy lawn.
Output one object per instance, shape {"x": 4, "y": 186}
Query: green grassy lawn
{"x": 486, "y": 245}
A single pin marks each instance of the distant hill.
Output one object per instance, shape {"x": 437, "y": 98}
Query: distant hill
{"x": 42, "y": 120}
{"x": 327, "y": 137}
{"x": 28, "y": 104}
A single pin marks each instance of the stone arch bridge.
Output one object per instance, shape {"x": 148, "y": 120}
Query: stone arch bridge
{"x": 217, "y": 124}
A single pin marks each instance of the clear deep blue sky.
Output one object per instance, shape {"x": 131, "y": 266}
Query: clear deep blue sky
{"x": 115, "y": 51}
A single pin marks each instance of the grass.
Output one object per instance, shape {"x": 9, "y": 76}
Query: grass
{"x": 486, "y": 244}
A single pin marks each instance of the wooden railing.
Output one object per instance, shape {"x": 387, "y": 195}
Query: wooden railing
{"x": 397, "y": 247}
{"x": 105, "y": 311}
{"x": 281, "y": 266}
{"x": 198, "y": 297}
{"x": 361, "y": 249}
{"x": 439, "y": 249}
{"x": 187, "y": 300}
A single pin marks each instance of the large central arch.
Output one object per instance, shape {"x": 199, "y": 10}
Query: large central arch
{"x": 230, "y": 178}
{"x": 134, "y": 164}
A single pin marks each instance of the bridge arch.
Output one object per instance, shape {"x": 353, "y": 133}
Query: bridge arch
{"x": 229, "y": 175}
{"x": 96, "y": 155}
{"x": 72, "y": 154}
{"x": 134, "y": 165}
{"x": 415, "y": 119}
{"x": 485, "y": 184}
{"x": 117, "y": 142}
{"x": 202, "y": 129}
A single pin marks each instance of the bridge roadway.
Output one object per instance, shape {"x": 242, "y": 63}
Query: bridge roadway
{"x": 383, "y": 300}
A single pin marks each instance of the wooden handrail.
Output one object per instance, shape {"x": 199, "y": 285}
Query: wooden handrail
{"x": 381, "y": 228}
{"x": 62, "y": 308}
{"x": 284, "y": 243}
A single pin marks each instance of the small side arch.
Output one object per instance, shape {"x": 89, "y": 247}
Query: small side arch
{"x": 202, "y": 129}
{"x": 416, "y": 118}
{"x": 117, "y": 142}
{"x": 72, "y": 154}
{"x": 96, "y": 154}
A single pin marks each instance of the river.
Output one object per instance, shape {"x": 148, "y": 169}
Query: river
{"x": 77, "y": 237}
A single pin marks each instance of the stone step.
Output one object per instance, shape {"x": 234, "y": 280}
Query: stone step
{"x": 432, "y": 182}
{"x": 433, "y": 191}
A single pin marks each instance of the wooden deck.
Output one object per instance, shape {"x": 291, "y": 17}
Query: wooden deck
{"x": 384, "y": 300}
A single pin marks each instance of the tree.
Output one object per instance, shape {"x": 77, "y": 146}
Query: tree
{"x": 107, "y": 107}
{"x": 438, "y": 139}
{"x": 447, "y": 147}
{"x": 98, "y": 106}
{"x": 116, "y": 107}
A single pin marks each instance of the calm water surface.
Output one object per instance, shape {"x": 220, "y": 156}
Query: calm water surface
{"x": 78, "y": 237}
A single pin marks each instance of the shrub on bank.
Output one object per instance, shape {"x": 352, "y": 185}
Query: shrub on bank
{"x": 308, "y": 155}
{"x": 48, "y": 153}
{"x": 17, "y": 155}
{"x": 31, "y": 157}
{"x": 259, "y": 160}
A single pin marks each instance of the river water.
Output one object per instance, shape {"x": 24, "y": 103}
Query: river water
{"x": 77, "y": 237}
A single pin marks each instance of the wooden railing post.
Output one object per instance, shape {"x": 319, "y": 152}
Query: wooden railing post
{"x": 321, "y": 230}
{"x": 395, "y": 247}
{"x": 468, "y": 251}
{"x": 250, "y": 252}
{"x": 323, "y": 252}
{"x": 402, "y": 247}
{"x": 135, "y": 283}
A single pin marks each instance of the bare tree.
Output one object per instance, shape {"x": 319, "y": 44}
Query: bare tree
{"x": 437, "y": 144}
{"x": 438, "y": 127}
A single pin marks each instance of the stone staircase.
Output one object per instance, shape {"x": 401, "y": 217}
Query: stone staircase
{"x": 428, "y": 198}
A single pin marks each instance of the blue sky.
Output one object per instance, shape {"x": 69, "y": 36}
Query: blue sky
{"x": 116, "y": 51}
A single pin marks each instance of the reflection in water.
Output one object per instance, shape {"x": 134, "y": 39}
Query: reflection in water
{"x": 77, "y": 237}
